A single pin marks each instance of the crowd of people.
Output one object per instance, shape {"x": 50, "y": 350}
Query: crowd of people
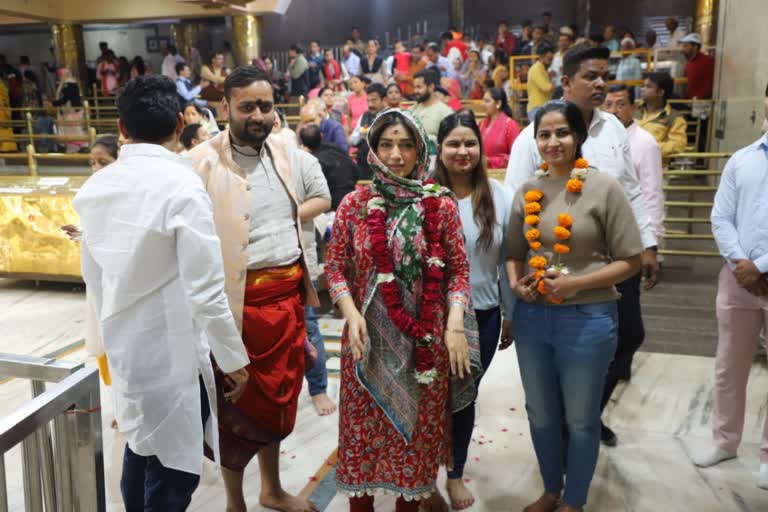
{"x": 459, "y": 68}
{"x": 433, "y": 265}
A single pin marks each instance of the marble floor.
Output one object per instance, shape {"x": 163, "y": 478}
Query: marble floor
{"x": 661, "y": 418}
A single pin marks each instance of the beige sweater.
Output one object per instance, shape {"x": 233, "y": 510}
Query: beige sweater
{"x": 604, "y": 228}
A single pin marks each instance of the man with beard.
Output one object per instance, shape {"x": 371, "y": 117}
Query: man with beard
{"x": 250, "y": 181}
{"x": 429, "y": 109}
{"x": 585, "y": 73}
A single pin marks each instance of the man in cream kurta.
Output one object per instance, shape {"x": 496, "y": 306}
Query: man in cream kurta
{"x": 251, "y": 184}
{"x": 152, "y": 264}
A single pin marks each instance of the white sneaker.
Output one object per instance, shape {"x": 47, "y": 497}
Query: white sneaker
{"x": 712, "y": 456}
{"x": 762, "y": 477}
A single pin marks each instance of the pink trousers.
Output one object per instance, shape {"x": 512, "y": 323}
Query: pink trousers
{"x": 740, "y": 318}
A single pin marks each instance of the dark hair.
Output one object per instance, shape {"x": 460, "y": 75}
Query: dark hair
{"x": 546, "y": 13}
{"x": 172, "y": 50}
{"x": 484, "y": 212}
{"x": 367, "y": 81}
{"x": 502, "y": 22}
{"x": 189, "y": 133}
{"x": 540, "y": 27}
{"x": 24, "y": 60}
{"x": 311, "y": 137}
{"x": 30, "y": 75}
{"x": 244, "y": 76}
{"x": 574, "y": 57}
{"x": 193, "y": 105}
{"x": 296, "y": 48}
{"x": 315, "y": 41}
{"x": 141, "y": 68}
{"x": 419, "y": 46}
{"x": 323, "y": 89}
{"x": 180, "y": 67}
{"x": 434, "y": 47}
{"x": 573, "y": 117}
{"x": 498, "y": 94}
{"x": 622, "y": 88}
{"x": 108, "y": 142}
{"x": 148, "y": 107}
{"x": 446, "y": 36}
{"x": 401, "y": 92}
{"x": 384, "y": 121}
{"x": 766, "y": 91}
{"x": 429, "y": 75}
{"x": 501, "y": 56}
{"x": 664, "y": 82}
{"x": 377, "y": 88}
{"x": 526, "y": 23}
{"x": 544, "y": 49}
{"x": 280, "y": 113}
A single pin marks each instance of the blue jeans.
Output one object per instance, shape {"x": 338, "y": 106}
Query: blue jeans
{"x": 564, "y": 353}
{"x": 317, "y": 377}
{"x": 489, "y": 324}
{"x": 148, "y": 486}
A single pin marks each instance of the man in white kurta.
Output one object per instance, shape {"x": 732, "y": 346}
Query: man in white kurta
{"x": 152, "y": 263}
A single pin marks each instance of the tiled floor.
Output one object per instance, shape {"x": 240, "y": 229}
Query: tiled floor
{"x": 661, "y": 417}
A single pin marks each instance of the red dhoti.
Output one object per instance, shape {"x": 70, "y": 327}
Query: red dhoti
{"x": 273, "y": 333}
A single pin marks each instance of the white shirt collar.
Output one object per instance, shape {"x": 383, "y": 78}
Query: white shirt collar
{"x": 144, "y": 149}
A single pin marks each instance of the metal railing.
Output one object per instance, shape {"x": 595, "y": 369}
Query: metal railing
{"x": 63, "y": 468}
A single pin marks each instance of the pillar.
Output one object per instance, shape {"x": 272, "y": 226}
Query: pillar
{"x": 457, "y": 14}
{"x": 246, "y": 38}
{"x": 186, "y": 36}
{"x": 68, "y": 47}
{"x": 705, "y": 21}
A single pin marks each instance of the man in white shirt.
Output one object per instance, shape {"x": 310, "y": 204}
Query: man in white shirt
{"x": 350, "y": 60}
{"x": 646, "y": 156}
{"x": 442, "y": 64}
{"x": 738, "y": 223}
{"x": 676, "y": 32}
{"x": 585, "y": 72}
{"x": 152, "y": 263}
{"x": 170, "y": 60}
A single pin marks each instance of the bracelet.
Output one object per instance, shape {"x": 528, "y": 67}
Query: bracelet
{"x": 456, "y": 331}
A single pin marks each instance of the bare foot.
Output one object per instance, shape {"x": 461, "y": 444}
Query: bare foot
{"x": 286, "y": 503}
{"x": 547, "y": 503}
{"x": 323, "y": 405}
{"x": 461, "y": 497}
{"x": 435, "y": 503}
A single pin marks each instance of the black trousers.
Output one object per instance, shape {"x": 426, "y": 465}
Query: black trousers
{"x": 631, "y": 335}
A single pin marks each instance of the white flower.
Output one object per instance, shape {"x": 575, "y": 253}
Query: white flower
{"x": 431, "y": 190}
{"x": 540, "y": 174}
{"x": 426, "y": 377}
{"x": 376, "y": 203}
{"x": 578, "y": 174}
{"x": 435, "y": 261}
{"x": 559, "y": 268}
{"x": 385, "y": 278}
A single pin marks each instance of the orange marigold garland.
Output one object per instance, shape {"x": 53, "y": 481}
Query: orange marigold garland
{"x": 562, "y": 231}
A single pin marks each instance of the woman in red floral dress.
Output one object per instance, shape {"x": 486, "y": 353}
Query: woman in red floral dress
{"x": 398, "y": 271}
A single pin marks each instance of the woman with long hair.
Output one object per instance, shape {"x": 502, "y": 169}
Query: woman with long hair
{"x": 397, "y": 269}
{"x": 394, "y": 96}
{"x": 194, "y": 114}
{"x": 572, "y": 237}
{"x": 499, "y": 129}
{"x": 484, "y": 210}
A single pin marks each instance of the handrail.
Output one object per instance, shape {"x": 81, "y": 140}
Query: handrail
{"x": 66, "y": 470}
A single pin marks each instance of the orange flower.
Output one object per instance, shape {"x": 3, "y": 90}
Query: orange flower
{"x": 538, "y": 262}
{"x": 581, "y": 163}
{"x": 561, "y": 249}
{"x": 535, "y": 245}
{"x": 539, "y": 274}
{"x": 532, "y": 220}
{"x": 532, "y": 235}
{"x": 561, "y": 233}
{"x": 540, "y": 288}
{"x": 565, "y": 220}
{"x": 533, "y": 196}
{"x": 574, "y": 186}
{"x": 531, "y": 208}
{"x": 544, "y": 166}
{"x": 554, "y": 300}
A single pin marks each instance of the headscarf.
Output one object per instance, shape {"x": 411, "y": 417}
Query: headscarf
{"x": 403, "y": 196}
{"x": 388, "y": 357}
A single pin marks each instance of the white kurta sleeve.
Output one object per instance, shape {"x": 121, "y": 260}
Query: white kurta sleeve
{"x": 201, "y": 270}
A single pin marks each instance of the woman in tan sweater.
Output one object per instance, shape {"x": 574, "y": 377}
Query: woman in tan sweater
{"x": 572, "y": 237}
